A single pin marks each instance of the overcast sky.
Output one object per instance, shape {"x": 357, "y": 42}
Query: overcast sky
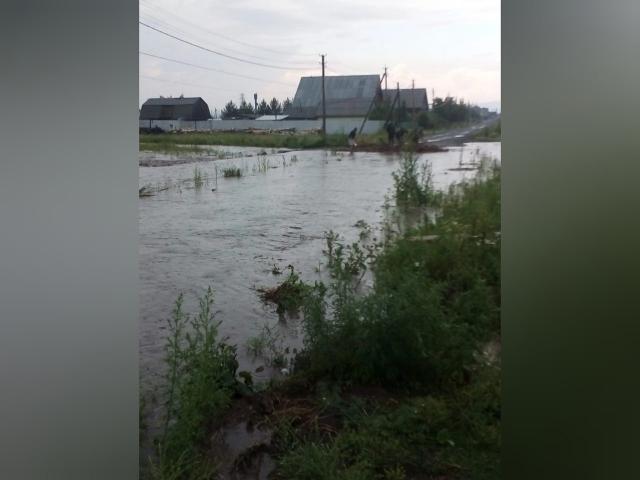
{"x": 451, "y": 46}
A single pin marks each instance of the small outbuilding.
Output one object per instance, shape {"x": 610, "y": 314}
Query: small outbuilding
{"x": 181, "y": 108}
{"x": 413, "y": 99}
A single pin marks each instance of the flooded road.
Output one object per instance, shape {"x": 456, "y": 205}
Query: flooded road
{"x": 231, "y": 238}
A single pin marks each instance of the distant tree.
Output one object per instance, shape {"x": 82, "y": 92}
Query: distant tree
{"x": 229, "y": 111}
{"x": 274, "y": 107}
{"x": 286, "y": 105}
{"x": 424, "y": 120}
{"x": 263, "y": 107}
{"x": 245, "y": 108}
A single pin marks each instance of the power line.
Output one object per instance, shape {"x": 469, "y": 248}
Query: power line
{"x": 186, "y": 84}
{"x": 216, "y": 52}
{"x": 215, "y": 69}
{"x": 260, "y": 47}
{"x": 181, "y": 31}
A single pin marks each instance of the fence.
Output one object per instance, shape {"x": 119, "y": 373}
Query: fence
{"x": 334, "y": 125}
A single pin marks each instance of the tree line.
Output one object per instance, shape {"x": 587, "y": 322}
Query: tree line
{"x": 443, "y": 113}
{"x": 244, "y": 108}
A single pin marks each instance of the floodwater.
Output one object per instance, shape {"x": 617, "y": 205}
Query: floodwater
{"x": 231, "y": 238}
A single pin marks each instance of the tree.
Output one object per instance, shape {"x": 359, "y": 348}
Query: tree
{"x": 229, "y": 111}
{"x": 274, "y": 106}
{"x": 263, "y": 107}
{"x": 245, "y": 108}
{"x": 286, "y": 105}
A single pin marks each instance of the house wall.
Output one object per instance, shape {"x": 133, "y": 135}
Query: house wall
{"x": 334, "y": 125}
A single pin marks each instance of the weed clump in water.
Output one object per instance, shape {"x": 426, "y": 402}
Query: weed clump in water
{"x": 232, "y": 172}
{"x": 289, "y": 295}
{"x": 270, "y": 345}
{"x": 414, "y": 184}
{"x": 200, "y": 383}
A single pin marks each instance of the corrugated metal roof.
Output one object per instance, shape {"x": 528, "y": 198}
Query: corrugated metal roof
{"x": 412, "y": 97}
{"x": 345, "y": 96}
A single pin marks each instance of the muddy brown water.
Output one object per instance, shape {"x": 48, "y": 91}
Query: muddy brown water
{"x": 231, "y": 238}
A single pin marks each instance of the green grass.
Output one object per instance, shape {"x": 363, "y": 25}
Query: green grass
{"x": 419, "y": 334}
{"x": 200, "y": 383}
{"x": 413, "y": 184}
{"x": 453, "y": 435}
{"x": 198, "y": 178}
{"x": 269, "y": 345}
{"x": 289, "y": 295}
{"x": 232, "y": 172}
{"x": 491, "y": 133}
{"x": 433, "y": 302}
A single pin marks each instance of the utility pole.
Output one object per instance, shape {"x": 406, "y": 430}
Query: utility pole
{"x": 413, "y": 101}
{"x": 398, "y": 95}
{"x": 324, "y": 106}
{"x": 385, "y": 78}
{"x": 373, "y": 101}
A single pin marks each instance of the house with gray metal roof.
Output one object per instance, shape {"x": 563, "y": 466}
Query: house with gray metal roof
{"x": 345, "y": 96}
{"x": 181, "y": 108}
{"x": 414, "y": 99}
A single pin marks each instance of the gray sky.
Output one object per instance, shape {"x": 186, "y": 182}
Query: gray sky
{"x": 452, "y": 46}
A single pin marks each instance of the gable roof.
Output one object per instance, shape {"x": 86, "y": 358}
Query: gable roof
{"x": 345, "y": 95}
{"x": 411, "y": 97}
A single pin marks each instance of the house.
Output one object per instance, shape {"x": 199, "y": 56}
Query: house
{"x": 413, "y": 99}
{"x": 181, "y": 108}
{"x": 346, "y": 96}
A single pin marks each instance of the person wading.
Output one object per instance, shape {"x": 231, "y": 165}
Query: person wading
{"x": 352, "y": 139}
{"x": 391, "y": 132}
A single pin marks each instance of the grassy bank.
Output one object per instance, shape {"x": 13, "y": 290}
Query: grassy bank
{"x": 491, "y": 133}
{"x": 399, "y": 380}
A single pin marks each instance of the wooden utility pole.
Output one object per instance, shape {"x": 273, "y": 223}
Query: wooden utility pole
{"x": 385, "y": 78}
{"x": 413, "y": 101}
{"x": 398, "y": 95}
{"x": 395, "y": 99}
{"x": 373, "y": 101}
{"x": 324, "y": 106}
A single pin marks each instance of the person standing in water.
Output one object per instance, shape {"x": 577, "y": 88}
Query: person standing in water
{"x": 391, "y": 132}
{"x": 352, "y": 139}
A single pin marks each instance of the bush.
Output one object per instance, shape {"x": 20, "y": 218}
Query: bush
{"x": 414, "y": 188}
{"x": 201, "y": 380}
{"x": 433, "y": 304}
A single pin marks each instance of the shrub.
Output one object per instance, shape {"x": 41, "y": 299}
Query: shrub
{"x": 232, "y": 172}
{"x": 201, "y": 381}
{"x": 433, "y": 303}
{"x": 414, "y": 184}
